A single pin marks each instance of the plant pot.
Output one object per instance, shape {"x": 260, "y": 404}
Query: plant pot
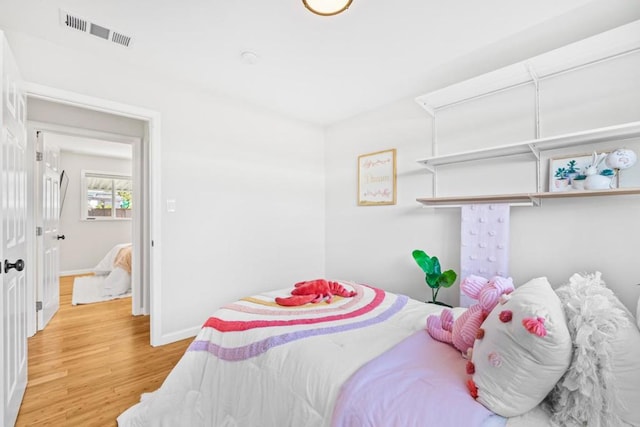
{"x": 577, "y": 184}
{"x": 597, "y": 182}
{"x": 560, "y": 185}
{"x": 439, "y": 303}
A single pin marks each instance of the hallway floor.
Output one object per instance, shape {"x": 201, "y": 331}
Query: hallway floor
{"x": 91, "y": 363}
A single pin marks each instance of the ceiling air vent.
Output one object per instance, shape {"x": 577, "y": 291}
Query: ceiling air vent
{"x": 75, "y": 22}
{"x": 72, "y": 21}
{"x": 99, "y": 31}
{"x": 120, "y": 38}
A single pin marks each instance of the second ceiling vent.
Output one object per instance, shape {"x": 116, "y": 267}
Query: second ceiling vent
{"x": 75, "y": 22}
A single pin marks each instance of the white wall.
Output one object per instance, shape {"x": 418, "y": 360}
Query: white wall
{"x": 248, "y": 184}
{"x": 87, "y": 242}
{"x": 374, "y": 244}
{"x": 52, "y": 112}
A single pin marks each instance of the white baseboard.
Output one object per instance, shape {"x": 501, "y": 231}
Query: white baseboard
{"x": 76, "y": 272}
{"x": 177, "y": 336}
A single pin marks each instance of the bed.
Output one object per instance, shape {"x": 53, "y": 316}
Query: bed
{"x": 111, "y": 278}
{"x": 115, "y": 270}
{"x": 368, "y": 361}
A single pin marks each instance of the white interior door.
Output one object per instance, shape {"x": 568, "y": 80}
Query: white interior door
{"x": 48, "y": 288}
{"x": 13, "y": 217}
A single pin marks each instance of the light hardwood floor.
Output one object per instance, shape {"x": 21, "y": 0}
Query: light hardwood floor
{"x": 91, "y": 363}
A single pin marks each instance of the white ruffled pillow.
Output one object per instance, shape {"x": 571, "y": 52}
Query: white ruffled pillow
{"x": 602, "y": 385}
{"x": 523, "y": 349}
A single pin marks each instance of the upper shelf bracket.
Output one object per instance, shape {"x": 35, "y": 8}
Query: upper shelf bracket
{"x": 536, "y": 152}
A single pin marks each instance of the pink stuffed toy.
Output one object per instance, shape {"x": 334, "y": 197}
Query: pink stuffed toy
{"x": 463, "y": 331}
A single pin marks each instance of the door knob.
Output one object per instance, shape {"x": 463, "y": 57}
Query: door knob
{"x": 18, "y": 265}
{"x": 60, "y": 237}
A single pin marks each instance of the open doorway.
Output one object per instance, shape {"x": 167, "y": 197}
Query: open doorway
{"x": 87, "y": 227}
{"x": 93, "y": 121}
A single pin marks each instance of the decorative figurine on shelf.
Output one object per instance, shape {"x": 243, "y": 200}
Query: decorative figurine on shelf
{"x": 621, "y": 158}
{"x": 597, "y": 180}
{"x": 434, "y": 276}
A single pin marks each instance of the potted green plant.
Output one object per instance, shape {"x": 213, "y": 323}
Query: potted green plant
{"x": 572, "y": 170}
{"x": 562, "y": 181}
{"x": 571, "y": 167}
{"x": 434, "y": 276}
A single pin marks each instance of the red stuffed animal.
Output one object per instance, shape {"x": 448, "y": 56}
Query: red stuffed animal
{"x": 314, "y": 291}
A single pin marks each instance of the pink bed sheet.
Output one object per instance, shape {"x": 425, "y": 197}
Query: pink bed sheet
{"x": 419, "y": 382}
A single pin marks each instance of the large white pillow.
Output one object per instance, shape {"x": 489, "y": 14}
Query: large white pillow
{"x": 523, "y": 350}
{"x": 602, "y": 385}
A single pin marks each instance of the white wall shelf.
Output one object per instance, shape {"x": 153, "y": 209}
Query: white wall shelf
{"x": 522, "y": 199}
{"x": 622, "y": 42}
{"x": 535, "y": 146}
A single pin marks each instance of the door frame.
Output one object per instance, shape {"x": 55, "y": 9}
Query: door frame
{"x": 146, "y": 221}
{"x": 33, "y": 128}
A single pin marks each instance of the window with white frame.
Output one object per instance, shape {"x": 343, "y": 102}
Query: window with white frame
{"x": 106, "y": 195}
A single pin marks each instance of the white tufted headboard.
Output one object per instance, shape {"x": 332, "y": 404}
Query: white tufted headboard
{"x": 484, "y": 241}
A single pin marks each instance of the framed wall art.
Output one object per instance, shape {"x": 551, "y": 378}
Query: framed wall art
{"x": 377, "y": 178}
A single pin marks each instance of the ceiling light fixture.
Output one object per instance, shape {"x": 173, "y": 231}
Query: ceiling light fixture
{"x": 327, "y": 7}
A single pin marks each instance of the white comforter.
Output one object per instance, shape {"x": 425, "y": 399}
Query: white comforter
{"x": 297, "y": 381}
{"x": 256, "y": 364}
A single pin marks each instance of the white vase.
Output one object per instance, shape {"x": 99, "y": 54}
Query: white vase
{"x": 597, "y": 182}
{"x": 578, "y": 184}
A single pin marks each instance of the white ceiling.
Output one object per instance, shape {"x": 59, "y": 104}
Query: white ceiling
{"x": 318, "y": 69}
